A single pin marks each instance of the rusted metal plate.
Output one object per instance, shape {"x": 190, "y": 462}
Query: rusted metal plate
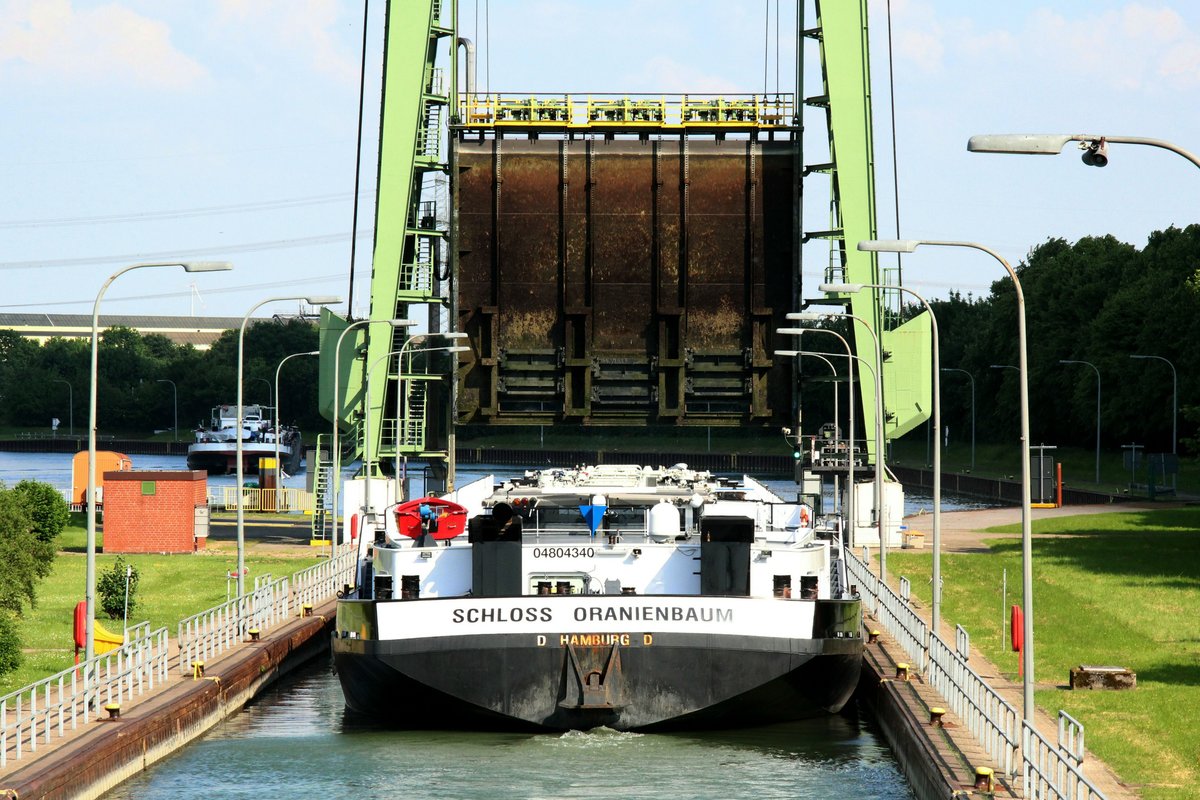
{"x": 606, "y": 279}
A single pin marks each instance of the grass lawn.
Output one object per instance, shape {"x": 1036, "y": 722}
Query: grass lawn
{"x": 1113, "y": 589}
{"x": 171, "y": 587}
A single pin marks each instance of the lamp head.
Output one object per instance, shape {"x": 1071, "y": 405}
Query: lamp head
{"x": 840, "y": 288}
{"x": 888, "y": 245}
{"x": 451, "y": 335}
{"x": 806, "y": 316}
{"x": 1047, "y": 144}
{"x": 323, "y": 300}
{"x": 402, "y": 323}
{"x": 790, "y": 331}
{"x": 787, "y": 353}
{"x": 206, "y": 266}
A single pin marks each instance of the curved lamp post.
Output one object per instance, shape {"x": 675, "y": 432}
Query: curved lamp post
{"x": 270, "y": 397}
{"x": 90, "y": 501}
{"x": 851, "y": 517}
{"x": 174, "y": 404}
{"x": 833, "y": 369}
{"x": 1094, "y": 146}
{"x": 971, "y": 378}
{"x": 1174, "y": 398}
{"x": 70, "y": 403}
{"x": 336, "y": 444}
{"x": 908, "y": 246}
{"x": 1097, "y": 371}
{"x": 278, "y": 466}
{"x": 314, "y": 300}
{"x": 877, "y": 377}
{"x": 854, "y": 288}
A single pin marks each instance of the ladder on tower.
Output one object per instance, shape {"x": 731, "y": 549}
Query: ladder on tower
{"x": 324, "y": 512}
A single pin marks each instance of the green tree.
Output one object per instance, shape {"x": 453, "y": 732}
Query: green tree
{"x": 20, "y": 565}
{"x": 110, "y": 585}
{"x": 10, "y": 643}
{"x": 49, "y": 514}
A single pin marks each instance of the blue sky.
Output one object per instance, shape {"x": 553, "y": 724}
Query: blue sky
{"x": 150, "y": 129}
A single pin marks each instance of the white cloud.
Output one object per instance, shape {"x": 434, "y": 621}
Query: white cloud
{"x": 51, "y": 39}
{"x": 305, "y": 27}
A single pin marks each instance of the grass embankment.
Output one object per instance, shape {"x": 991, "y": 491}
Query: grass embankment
{"x": 1111, "y": 589}
{"x": 170, "y": 588}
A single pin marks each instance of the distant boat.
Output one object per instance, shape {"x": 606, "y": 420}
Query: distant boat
{"x": 215, "y": 448}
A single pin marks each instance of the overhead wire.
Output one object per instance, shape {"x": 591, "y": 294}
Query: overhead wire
{"x": 202, "y": 211}
{"x": 362, "y": 88}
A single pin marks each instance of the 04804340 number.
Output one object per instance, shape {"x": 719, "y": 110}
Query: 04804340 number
{"x": 564, "y": 552}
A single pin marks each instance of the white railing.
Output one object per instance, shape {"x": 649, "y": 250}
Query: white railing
{"x": 52, "y": 706}
{"x": 205, "y": 635}
{"x": 1049, "y": 773}
{"x": 283, "y": 499}
{"x": 1052, "y": 772}
{"x": 311, "y": 585}
{"x": 991, "y": 718}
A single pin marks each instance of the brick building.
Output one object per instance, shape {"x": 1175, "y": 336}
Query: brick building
{"x": 155, "y": 512}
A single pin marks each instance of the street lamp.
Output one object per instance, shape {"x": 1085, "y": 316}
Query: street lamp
{"x": 854, "y": 288}
{"x": 1174, "y": 397}
{"x": 877, "y": 378}
{"x": 317, "y": 300}
{"x": 175, "y": 396}
{"x": 971, "y": 378}
{"x": 1097, "y": 371}
{"x": 278, "y": 430}
{"x": 836, "y": 403}
{"x": 90, "y": 579}
{"x": 908, "y": 246}
{"x": 268, "y": 383}
{"x": 337, "y": 414}
{"x": 852, "y": 516}
{"x": 1094, "y": 147}
{"x": 70, "y": 403}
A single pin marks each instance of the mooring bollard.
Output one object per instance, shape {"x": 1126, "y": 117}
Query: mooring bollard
{"x": 306, "y": 610}
{"x": 872, "y": 636}
{"x": 253, "y": 634}
{"x": 983, "y": 779}
{"x": 197, "y": 670}
{"x": 935, "y": 716}
{"x": 902, "y": 671}
{"x": 114, "y": 710}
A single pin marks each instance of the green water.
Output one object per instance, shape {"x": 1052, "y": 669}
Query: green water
{"x": 296, "y": 741}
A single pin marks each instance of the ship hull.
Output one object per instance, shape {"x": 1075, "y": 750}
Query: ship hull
{"x": 220, "y": 458}
{"x": 641, "y": 679}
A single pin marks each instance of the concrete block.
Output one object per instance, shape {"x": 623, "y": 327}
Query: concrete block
{"x": 1092, "y": 677}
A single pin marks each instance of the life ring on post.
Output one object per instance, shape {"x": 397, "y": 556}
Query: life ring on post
{"x": 805, "y": 517}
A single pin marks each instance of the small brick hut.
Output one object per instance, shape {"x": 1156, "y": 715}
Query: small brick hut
{"x": 155, "y": 511}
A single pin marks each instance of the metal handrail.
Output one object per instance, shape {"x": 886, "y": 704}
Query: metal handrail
{"x": 49, "y": 707}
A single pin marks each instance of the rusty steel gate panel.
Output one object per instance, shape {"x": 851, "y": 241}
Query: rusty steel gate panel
{"x": 618, "y": 280}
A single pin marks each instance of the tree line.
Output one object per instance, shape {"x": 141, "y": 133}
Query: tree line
{"x": 135, "y": 375}
{"x": 1098, "y": 300}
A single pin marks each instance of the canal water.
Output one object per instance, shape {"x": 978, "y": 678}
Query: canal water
{"x": 297, "y": 741}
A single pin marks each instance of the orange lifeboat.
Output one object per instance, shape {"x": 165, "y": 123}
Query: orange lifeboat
{"x": 440, "y": 518}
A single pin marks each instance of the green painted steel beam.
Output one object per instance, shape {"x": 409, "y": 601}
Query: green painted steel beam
{"x": 907, "y": 378}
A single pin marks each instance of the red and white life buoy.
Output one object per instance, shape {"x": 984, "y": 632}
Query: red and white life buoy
{"x": 805, "y": 517}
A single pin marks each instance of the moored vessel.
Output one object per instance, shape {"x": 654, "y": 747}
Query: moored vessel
{"x": 630, "y": 597}
{"x": 215, "y": 448}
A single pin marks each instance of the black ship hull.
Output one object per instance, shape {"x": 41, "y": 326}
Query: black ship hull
{"x": 625, "y": 681}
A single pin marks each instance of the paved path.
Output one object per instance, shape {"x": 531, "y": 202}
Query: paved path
{"x": 965, "y": 532}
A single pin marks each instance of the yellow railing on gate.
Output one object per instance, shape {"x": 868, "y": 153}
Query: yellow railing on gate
{"x": 627, "y": 112}
{"x": 224, "y": 498}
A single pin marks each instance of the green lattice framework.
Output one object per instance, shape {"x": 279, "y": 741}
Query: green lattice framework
{"x": 907, "y": 378}
{"x": 408, "y": 238}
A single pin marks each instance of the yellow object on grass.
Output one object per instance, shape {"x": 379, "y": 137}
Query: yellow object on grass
{"x": 105, "y": 639}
